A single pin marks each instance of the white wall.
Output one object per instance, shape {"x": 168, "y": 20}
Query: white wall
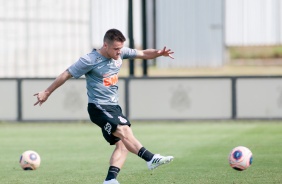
{"x": 259, "y": 98}
{"x": 193, "y": 29}
{"x": 114, "y": 14}
{"x": 253, "y": 22}
{"x": 9, "y": 100}
{"x": 42, "y": 38}
{"x": 151, "y": 99}
{"x": 69, "y": 102}
{"x": 180, "y": 99}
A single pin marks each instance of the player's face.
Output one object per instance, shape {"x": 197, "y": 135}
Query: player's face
{"x": 113, "y": 49}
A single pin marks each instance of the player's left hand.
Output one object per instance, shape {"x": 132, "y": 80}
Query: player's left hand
{"x": 166, "y": 52}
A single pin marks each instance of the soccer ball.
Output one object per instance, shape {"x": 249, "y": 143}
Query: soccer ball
{"x": 240, "y": 158}
{"x": 30, "y": 160}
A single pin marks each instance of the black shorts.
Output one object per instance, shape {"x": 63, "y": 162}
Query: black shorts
{"x": 107, "y": 117}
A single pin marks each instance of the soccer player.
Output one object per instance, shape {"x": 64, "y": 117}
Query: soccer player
{"x": 101, "y": 68}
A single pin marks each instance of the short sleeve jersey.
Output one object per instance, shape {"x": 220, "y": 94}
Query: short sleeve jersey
{"x": 101, "y": 75}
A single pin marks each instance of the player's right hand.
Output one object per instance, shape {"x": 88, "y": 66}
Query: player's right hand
{"x": 41, "y": 97}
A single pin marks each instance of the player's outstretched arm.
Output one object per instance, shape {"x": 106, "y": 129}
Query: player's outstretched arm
{"x": 153, "y": 53}
{"x": 60, "y": 80}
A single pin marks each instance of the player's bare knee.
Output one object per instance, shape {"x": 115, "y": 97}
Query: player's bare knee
{"x": 122, "y": 131}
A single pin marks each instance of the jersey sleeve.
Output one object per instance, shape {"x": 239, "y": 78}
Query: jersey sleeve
{"x": 81, "y": 67}
{"x": 128, "y": 53}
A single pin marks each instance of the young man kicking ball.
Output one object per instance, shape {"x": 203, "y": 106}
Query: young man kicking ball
{"x": 101, "y": 68}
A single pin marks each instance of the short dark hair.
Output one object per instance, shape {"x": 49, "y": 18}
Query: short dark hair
{"x": 114, "y": 35}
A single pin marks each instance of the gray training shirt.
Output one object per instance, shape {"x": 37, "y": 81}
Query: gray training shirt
{"x": 101, "y": 75}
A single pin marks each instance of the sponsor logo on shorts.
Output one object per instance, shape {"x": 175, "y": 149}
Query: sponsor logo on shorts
{"x": 108, "y": 128}
{"x": 123, "y": 120}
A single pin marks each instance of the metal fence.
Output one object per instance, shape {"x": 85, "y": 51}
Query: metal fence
{"x": 42, "y": 38}
{"x": 253, "y": 22}
{"x": 194, "y": 29}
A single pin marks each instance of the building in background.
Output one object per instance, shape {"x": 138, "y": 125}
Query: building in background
{"x": 194, "y": 29}
{"x": 42, "y": 38}
{"x": 253, "y": 22}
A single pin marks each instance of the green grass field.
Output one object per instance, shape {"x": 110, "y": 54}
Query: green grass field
{"x": 76, "y": 153}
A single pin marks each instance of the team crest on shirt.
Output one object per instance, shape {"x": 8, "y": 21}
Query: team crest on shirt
{"x": 118, "y": 63}
{"x": 98, "y": 59}
{"x": 123, "y": 120}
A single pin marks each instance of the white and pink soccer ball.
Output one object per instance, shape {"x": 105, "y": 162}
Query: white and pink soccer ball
{"x": 30, "y": 160}
{"x": 240, "y": 158}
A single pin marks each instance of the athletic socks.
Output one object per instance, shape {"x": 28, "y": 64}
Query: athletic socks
{"x": 142, "y": 153}
{"x": 145, "y": 154}
{"x": 112, "y": 173}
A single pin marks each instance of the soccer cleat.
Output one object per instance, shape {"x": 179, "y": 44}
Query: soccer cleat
{"x": 158, "y": 160}
{"x": 112, "y": 181}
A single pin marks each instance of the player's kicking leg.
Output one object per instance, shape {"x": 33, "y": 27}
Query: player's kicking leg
{"x": 158, "y": 160}
{"x": 133, "y": 145}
